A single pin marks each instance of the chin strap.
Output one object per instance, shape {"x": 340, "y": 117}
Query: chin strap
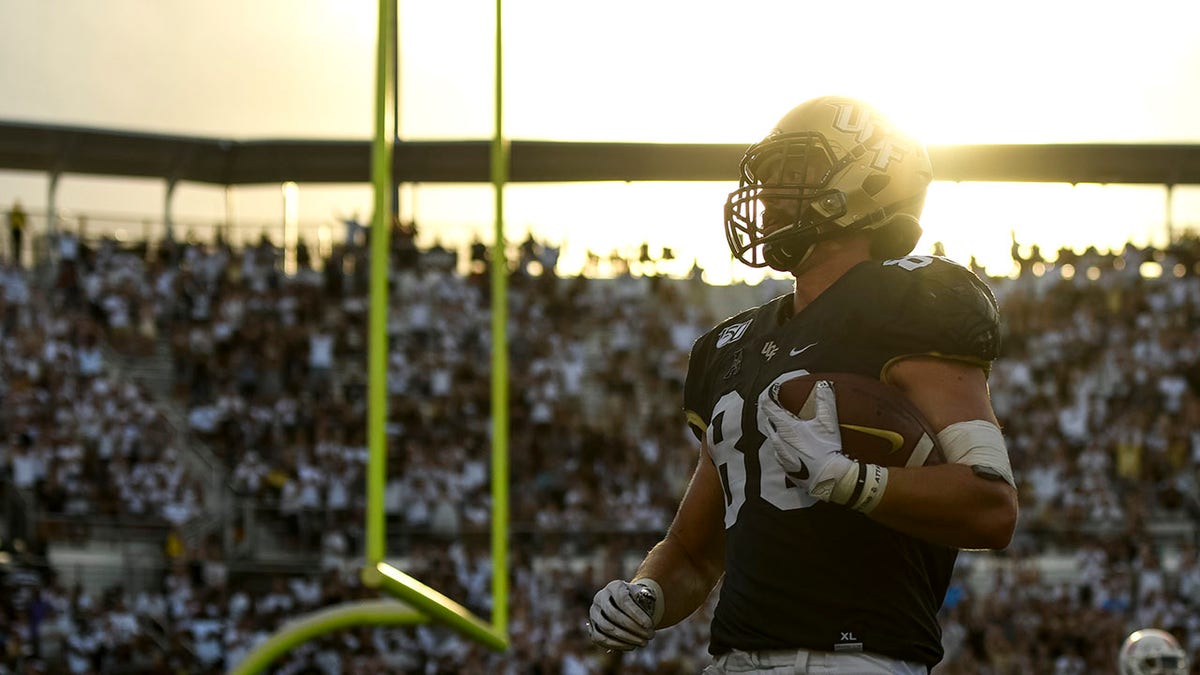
{"x": 891, "y": 240}
{"x": 783, "y": 258}
{"x": 786, "y": 253}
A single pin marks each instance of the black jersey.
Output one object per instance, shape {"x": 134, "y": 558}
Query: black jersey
{"x": 800, "y": 573}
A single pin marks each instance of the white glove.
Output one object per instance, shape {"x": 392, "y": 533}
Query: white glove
{"x": 622, "y": 615}
{"x": 809, "y": 446}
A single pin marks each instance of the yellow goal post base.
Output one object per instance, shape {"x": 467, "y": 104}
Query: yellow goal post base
{"x": 412, "y": 603}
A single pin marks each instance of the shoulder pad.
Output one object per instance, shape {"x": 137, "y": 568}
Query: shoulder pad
{"x": 933, "y": 305}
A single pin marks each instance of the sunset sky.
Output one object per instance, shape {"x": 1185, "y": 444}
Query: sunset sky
{"x": 1015, "y": 72}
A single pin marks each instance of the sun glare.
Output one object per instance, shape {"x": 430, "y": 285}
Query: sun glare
{"x": 670, "y": 72}
{"x": 985, "y": 219}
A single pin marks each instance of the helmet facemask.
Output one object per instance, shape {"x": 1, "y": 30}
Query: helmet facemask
{"x": 1162, "y": 665}
{"x": 783, "y": 205}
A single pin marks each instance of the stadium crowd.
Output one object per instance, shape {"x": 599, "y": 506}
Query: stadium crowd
{"x": 1098, "y": 390}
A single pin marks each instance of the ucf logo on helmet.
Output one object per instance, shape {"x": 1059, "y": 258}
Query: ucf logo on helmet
{"x": 854, "y": 120}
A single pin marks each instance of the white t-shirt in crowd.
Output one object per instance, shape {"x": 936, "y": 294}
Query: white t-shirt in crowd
{"x": 320, "y": 350}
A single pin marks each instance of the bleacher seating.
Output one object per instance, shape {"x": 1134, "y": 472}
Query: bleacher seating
{"x": 1098, "y": 391}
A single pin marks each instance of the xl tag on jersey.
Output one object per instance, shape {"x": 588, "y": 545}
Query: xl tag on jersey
{"x": 848, "y": 643}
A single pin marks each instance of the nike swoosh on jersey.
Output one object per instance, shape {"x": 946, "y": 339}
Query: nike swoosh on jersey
{"x": 796, "y": 352}
{"x": 895, "y": 439}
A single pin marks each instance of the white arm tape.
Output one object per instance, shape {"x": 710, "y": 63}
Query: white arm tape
{"x": 659, "y": 605}
{"x": 861, "y": 487}
{"x": 977, "y": 443}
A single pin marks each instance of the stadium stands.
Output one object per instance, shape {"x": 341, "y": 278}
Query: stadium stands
{"x": 184, "y": 457}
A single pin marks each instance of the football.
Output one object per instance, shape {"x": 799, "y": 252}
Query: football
{"x": 879, "y": 424}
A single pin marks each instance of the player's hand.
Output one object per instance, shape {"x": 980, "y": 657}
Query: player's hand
{"x": 808, "y": 446}
{"x": 620, "y": 617}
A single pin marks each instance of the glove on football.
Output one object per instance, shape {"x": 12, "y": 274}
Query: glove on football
{"x": 809, "y": 446}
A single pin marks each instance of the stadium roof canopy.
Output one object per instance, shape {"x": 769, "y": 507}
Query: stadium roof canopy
{"x": 61, "y": 149}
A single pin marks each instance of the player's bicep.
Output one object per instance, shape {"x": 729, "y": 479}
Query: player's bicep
{"x": 953, "y": 396}
{"x": 946, "y": 391}
{"x": 699, "y": 524}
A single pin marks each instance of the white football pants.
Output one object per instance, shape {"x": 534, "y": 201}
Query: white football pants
{"x": 805, "y": 662}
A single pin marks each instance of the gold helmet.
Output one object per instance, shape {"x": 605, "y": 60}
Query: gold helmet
{"x": 832, "y": 165}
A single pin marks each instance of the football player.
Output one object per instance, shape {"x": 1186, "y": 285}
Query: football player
{"x": 828, "y": 564}
{"x": 1152, "y": 651}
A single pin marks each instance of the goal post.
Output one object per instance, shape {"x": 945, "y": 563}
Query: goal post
{"x": 414, "y": 602}
{"x": 499, "y": 303}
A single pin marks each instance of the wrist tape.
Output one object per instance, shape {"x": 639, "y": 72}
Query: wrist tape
{"x": 656, "y": 613}
{"x": 861, "y": 487}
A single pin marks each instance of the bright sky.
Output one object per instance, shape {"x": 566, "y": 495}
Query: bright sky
{"x": 663, "y": 70}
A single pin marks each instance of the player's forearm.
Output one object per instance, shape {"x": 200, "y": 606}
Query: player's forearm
{"x": 686, "y": 581}
{"x": 948, "y": 505}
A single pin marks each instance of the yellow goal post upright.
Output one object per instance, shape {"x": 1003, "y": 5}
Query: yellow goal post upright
{"x": 414, "y": 602}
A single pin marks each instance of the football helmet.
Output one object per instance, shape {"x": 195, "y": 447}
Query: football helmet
{"x": 1151, "y": 651}
{"x": 831, "y": 165}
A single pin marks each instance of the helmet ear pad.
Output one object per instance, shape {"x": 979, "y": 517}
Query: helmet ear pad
{"x": 897, "y": 238}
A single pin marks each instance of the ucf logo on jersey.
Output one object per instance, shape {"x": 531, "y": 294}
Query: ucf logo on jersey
{"x": 770, "y": 349}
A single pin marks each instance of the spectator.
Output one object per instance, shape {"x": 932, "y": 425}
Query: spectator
{"x": 16, "y": 232}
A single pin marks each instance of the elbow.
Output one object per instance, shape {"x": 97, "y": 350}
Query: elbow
{"x": 997, "y": 521}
